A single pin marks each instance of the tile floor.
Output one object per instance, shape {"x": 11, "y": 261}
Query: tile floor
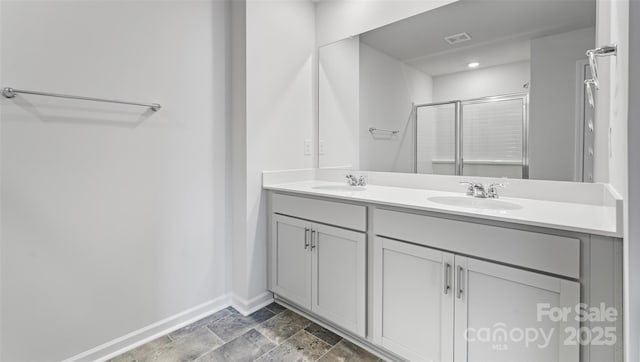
{"x": 273, "y": 333}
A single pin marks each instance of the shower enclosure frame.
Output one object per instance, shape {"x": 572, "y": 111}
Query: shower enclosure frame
{"x": 458, "y": 134}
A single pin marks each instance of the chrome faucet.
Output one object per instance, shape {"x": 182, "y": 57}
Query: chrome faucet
{"x": 353, "y": 181}
{"x": 479, "y": 190}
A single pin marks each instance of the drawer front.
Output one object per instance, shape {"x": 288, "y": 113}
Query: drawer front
{"x": 333, "y": 213}
{"x": 547, "y": 253}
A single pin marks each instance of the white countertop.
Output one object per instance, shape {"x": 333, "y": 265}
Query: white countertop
{"x": 570, "y": 216}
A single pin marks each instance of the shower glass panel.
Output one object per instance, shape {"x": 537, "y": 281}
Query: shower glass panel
{"x": 436, "y": 138}
{"x": 494, "y": 137}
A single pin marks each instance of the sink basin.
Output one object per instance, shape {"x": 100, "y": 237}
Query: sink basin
{"x": 475, "y": 203}
{"x": 339, "y": 188}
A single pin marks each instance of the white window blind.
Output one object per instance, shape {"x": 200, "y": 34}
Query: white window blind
{"x": 493, "y": 131}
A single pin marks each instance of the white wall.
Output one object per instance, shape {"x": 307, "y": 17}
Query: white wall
{"x": 338, "y": 73}
{"x": 336, "y": 20}
{"x": 617, "y": 25}
{"x": 144, "y": 198}
{"x": 612, "y": 98}
{"x": 341, "y": 19}
{"x": 553, "y": 119}
{"x": 280, "y": 48}
{"x": 616, "y": 143}
{"x": 632, "y": 252}
{"x": 618, "y": 96}
{"x": 238, "y": 148}
{"x": 113, "y": 218}
{"x": 387, "y": 89}
{"x": 482, "y": 82}
{"x": 1, "y": 182}
{"x": 601, "y": 117}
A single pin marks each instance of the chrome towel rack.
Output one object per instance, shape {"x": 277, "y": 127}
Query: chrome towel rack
{"x": 392, "y": 131}
{"x": 9, "y": 92}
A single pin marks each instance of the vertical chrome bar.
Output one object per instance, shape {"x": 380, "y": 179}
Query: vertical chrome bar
{"x": 590, "y": 97}
{"x": 414, "y": 111}
{"x": 588, "y": 114}
{"x": 313, "y": 234}
{"x": 458, "y": 141}
{"x": 525, "y": 137}
{"x": 593, "y": 64}
{"x": 447, "y": 278}
{"x": 459, "y": 282}
{"x": 306, "y": 238}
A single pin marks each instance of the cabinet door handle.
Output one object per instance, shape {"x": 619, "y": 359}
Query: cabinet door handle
{"x": 306, "y": 238}
{"x": 459, "y": 282}
{"x": 447, "y": 278}
{"x": 313, "y": 245}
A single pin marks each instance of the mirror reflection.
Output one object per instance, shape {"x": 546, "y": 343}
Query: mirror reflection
{"x": 477, "y": 88}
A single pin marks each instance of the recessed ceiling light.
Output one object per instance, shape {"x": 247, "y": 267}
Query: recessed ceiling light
{"x": 473, "y": 65}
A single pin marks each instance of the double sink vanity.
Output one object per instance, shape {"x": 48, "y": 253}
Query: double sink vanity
{"x": 383, "y": 244}
{"x": 413, "y": 268}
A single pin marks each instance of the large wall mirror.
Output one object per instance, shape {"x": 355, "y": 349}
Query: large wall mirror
{"x": 476, "y": 87}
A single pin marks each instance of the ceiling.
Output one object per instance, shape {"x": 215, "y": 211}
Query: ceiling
{"x": 500, "y": 32}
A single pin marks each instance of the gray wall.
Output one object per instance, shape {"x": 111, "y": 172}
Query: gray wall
{"x": 633, "y": 273}
{"x": 552, "y": 122}
{"x": 280, "y": 68}
{"x": 387, "y": 89}
{"x": 338, "y": 80}
{"x": 113, "y": 218}
{"x": 478, "y": 83}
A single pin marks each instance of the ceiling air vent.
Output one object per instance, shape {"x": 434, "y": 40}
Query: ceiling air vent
{"x": 457, "y": 38}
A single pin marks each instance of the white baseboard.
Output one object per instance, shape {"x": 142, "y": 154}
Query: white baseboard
{"x": 146, "y": 334}
{"x": 247, "y": 307}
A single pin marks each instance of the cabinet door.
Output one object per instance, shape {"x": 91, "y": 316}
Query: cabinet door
{"x": 497, "y": 314}
{"x": 291, "y": 272}
{"x": 339, "y": 276}
{"x": 413, "y": 291}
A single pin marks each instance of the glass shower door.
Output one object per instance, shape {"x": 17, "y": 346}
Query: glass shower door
{"x": 436, "y": 138}
{"x": 494, "y": 137}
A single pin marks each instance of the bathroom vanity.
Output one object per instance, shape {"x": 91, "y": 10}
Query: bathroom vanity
{"x": 411, "y": 265}
{"x": 422, "y": 274}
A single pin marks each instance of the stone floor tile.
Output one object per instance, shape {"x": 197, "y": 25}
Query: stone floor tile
{"x": 276, "y": 308}
{"x": 141, "y": 351}
{"x": 273, "y": 333}
{"x": 202, "y": 322}
{"x": 347, "y": 351}
{"x": 235, "y": 325}
{"x": 187, "y": 348}
{"x": 323, "y": 333}
{"x": 300, "y": 347}
{"x": 283, "y": 326}
{"x": 245, "y": 348}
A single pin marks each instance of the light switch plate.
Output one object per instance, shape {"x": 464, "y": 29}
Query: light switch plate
{"x": 307, "y": 147}
{"x": 321, "y": 147}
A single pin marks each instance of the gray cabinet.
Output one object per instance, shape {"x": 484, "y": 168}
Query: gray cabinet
{"x": 291, "y": 273}
{"x": 321, "y": 268}
{"x": 502, "y": 314}
{"x": 339, "y": 276}
{"x": 414, "y": 300}
{"x": 428, "y": 288}
{"x": 432, "y": 305}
